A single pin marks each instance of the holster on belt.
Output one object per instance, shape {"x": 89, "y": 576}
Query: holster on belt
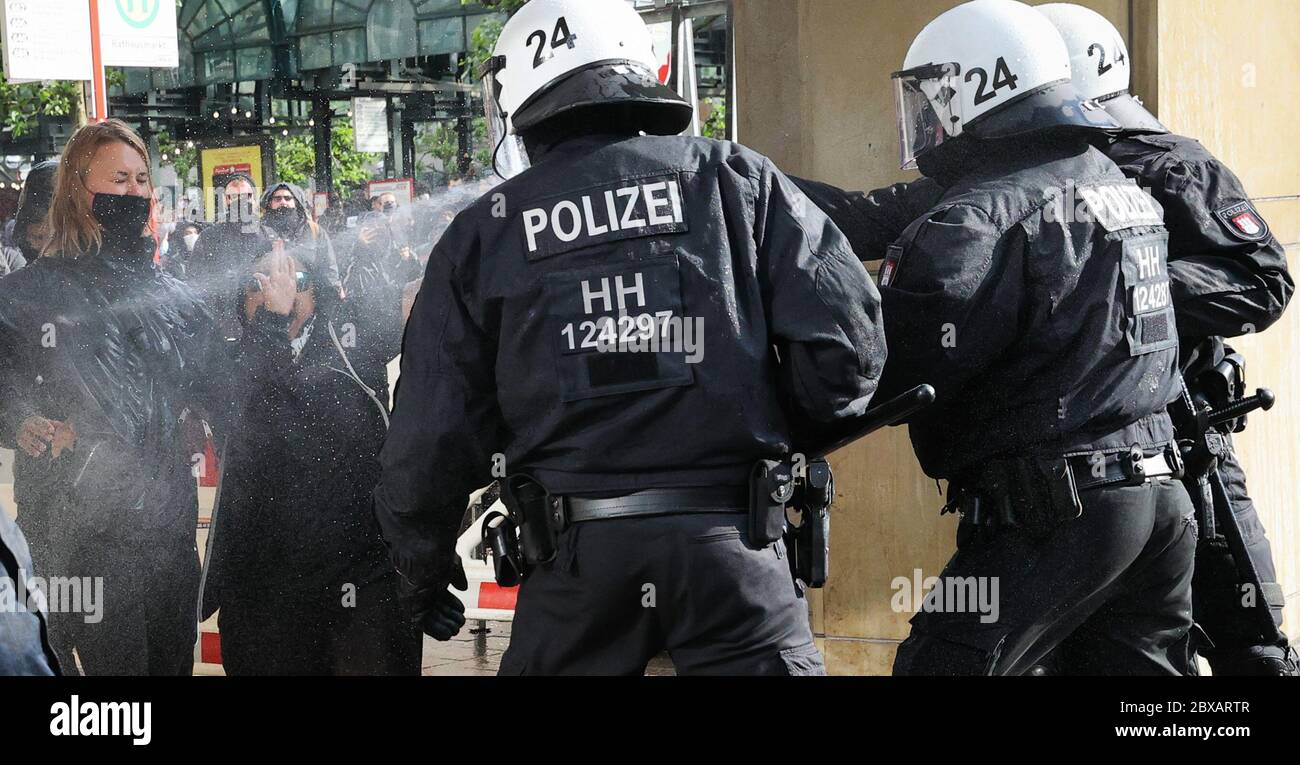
{"x": 774, "y": 486}
{"x": 809, "y": 542}
{"x": 771, "y": 486}
{"x": 532, "y": 514}
{"x": 501, "y": 539}
{"x": 1035, "y": 494}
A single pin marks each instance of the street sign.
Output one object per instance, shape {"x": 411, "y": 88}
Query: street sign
{"x": 370, "y": 124}
{"x": 46, "y": 40}
{"x": 138, "y": 32}
{"x": 402, "y": 188}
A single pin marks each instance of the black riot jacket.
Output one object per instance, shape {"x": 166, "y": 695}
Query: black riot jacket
{"x": 118, "y": 348}
{"x": 1229, "y": 272}
{"x": 1227, "y": 278}
{"x": 1020, "y": 315}
{"x": 534, "y": 333}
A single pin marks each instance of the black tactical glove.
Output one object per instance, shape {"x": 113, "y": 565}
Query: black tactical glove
{"x": 432, "y": 607}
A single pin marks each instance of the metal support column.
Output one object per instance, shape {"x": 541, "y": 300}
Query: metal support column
{"x": 464, "y": 149}
{"x": 322, "y": 134}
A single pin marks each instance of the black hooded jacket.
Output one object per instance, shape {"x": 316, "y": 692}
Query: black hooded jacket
{"x": 1227, "y": 279}
{"x": 1029, "y": 350}
{"x": 304, "y": 239}
{"x": 119, "y": 349}
{"x": 301, "y": 457}
{"x": 221, "y": 264}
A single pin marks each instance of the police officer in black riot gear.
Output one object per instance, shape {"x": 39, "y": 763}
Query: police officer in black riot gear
{"x": 1229, "y": 277}
{"x": 1050, "y": 340}
{"x": 634, "y": 321}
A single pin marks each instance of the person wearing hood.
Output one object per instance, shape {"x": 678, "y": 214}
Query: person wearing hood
{"x": 284, "y": 210}
{"x": 99, "y": 353}
{"x": 296, "y": 563}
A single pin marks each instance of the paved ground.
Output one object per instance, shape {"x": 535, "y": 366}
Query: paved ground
{"x": 478, "y": 648}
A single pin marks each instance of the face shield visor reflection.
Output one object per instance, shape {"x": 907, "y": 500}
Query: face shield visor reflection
{"x": 508, "y": 156}
{"x": 928, "y": 103}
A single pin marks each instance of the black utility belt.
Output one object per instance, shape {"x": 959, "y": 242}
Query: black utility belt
{"x": 530, "y": 534}
{"x": 1037, "y": 493}
{"x": 651, "y": 502}
{"x": 1129, "y": 468}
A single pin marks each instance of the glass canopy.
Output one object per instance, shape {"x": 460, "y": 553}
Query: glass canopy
{"x": 224, "y": 41}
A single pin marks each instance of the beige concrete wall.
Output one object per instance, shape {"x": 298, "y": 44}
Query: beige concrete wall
{"x": 814, "y": 94}
{"x": 1227, "y": 75}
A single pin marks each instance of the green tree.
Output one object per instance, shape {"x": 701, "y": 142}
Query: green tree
{"x": 440, "y": 143}
{"x": 715, "y": 126}
{"x": 295, "y": 159}
{"x": 181, "y": 157}
{"x": 484, "y": 37}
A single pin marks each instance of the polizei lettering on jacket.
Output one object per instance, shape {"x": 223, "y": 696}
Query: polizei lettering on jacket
{"x": 1121, "y": 206}
{"x": 624, "y": 209}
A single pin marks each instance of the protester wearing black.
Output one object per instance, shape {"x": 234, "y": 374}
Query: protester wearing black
{"x": 34, "y": 504}
{"x": 99, "y": 351}
{"x": 304, "y": 239}
{"x": 297, "y": 566}
{"x": 181, "y": 244}
{"x": 223, "y": 251}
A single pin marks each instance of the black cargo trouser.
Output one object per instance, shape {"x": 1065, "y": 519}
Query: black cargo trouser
{"x": 1218, "y": 596}
{"x": 1107, "y": 593}
{"x": 622, "y": 590}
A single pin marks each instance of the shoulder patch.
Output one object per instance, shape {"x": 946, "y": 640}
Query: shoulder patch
{"x": 1243, "y": 222}
{"x": 889, "y": 267}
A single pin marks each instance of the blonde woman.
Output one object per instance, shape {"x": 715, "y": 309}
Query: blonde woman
{"x": 100, "y": 351}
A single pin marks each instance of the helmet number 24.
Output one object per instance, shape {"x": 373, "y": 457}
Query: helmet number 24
{"x": 1102, "y": 66}
{"x": 559, "y": 38}
{"x": 1002, "y": 78}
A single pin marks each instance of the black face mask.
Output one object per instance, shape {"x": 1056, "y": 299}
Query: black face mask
{"x": 389, "y": 207}
{"x": 123, "y": 218}
{"x": 284, "y": 220}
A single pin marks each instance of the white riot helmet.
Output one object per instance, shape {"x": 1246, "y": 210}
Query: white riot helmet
{"x": 554, "y": 56}
{"x": 991, "y": 68}
{"x": 1100, "y": 63}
